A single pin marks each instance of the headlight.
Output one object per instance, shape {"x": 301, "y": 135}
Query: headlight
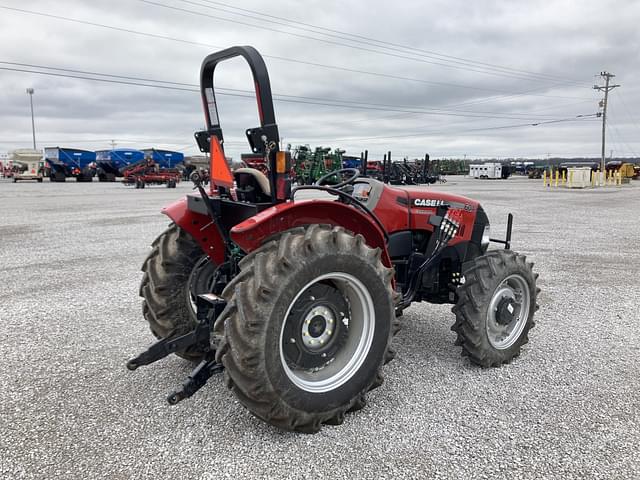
{"x": 484, "y": 243}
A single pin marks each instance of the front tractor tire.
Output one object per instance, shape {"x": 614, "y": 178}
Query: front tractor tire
{"x": 175, "y": 272}
{"x": 495, "y": 308}
{"x": 307, "y": 327}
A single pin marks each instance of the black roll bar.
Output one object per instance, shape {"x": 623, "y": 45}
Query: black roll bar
{"x": 260, "y": 137}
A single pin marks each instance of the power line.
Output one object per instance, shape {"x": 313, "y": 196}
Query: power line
{"x": 273, "y": 57}
{"x": 499, "y": 127}
{"x": 626, "y": 109}
{"x": 283, "y": 98}
{"x": 262, "y": 27}
{"x": 378, "y": 43}
{"x": 619, "y": 137}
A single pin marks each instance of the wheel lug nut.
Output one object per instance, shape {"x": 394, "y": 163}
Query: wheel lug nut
{"x": 324, "y": 355}
{"x": 312, "y": 298}
{"x": 292, "y": 340}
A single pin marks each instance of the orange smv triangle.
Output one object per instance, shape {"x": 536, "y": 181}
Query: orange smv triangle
{"x": 220, "y": 174}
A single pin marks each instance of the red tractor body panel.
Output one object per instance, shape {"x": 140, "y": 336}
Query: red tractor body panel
{"x": 392, "y": 209}
{"x": 251, "y": 233}
{"x": 200, "y": 227}
{"x": 398, "y": 209}
{"x": 424, "y": 203}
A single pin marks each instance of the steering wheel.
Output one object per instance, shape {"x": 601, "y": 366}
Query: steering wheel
{"x": 355, "y": 173}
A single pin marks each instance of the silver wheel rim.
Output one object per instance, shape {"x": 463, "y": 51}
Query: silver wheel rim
{"x": 515, "y": 291}
{"x": 351, "y": 356}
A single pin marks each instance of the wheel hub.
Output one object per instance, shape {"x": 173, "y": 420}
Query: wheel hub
{"x": 327, "y": 332}
{"x": 318, "y": 327}
{"x": 313, "y": 327}
{"x": 506, "y": 311}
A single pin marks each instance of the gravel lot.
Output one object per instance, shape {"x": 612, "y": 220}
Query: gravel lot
{"x": 70, "y": 317}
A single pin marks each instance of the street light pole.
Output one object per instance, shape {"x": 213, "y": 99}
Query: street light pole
{"x": 33, "y": 124}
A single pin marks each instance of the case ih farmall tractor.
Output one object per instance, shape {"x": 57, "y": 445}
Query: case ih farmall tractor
{"x": 298, "y": 300}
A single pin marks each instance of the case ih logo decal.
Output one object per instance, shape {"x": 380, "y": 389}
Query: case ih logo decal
{"x": 427, "y": 202}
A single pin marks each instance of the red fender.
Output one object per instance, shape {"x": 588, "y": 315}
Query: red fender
{"x": 200, "y": 227}
{"x": 251, "y": 233}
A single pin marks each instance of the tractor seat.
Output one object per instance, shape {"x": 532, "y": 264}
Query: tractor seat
{"x": 252, "y": 185}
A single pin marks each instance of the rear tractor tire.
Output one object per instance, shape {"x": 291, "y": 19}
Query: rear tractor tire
{"x": 307, "y": 327}
{"x": 175, "y": 272}
{"x": 495, "y": 308}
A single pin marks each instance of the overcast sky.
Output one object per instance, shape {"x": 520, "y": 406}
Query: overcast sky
{"x": 450, "y": 77}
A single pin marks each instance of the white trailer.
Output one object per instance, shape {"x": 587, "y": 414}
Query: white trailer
{"x": 30, "y": 163}
{"x": 486, "y": 170}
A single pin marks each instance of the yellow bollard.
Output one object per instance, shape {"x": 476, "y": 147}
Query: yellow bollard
{"x": 544, "y": 178}
{"x": 557, "y": 177}
{"x": 570, "y": 179}
{"x": 564, "y": 177}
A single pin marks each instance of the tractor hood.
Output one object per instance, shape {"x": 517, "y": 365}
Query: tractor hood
{"x": 423, "y": 198}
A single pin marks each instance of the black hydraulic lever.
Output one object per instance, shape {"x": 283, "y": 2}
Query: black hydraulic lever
{"x": 197, "y": 182}
{"x": 212, "y": 210}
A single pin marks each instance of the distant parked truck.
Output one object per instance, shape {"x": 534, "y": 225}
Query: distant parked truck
{"x": 70, "y": 162}
{"x": 489, "y": 170}
{"x": 113, "y": 163}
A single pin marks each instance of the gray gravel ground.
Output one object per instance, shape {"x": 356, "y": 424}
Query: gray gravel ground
{"x": 70, "y": 317}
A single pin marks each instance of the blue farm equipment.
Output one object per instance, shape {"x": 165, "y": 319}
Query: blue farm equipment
{"x": 70, "y": 162}
{"x": 163, "y": 158}
{"x": 113, "y": 163}
{"x": 351, "y": 162}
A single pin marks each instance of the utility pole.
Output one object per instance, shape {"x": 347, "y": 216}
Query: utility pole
{"x": 603, "y": 103}
{"x": 30, "y": 92}
{"x": 113, "y": 144}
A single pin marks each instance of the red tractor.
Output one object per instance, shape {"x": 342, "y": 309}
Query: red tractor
{"x": 298, "y": 300}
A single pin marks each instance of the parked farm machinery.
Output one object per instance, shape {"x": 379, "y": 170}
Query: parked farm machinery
{"x": 149, "y": 173}
{"x": 309, "y": 166}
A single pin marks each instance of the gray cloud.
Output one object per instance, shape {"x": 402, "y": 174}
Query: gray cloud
{"x": 566, "y": 40}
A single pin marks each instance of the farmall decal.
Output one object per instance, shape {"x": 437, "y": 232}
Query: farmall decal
{"x": 427, "y": 202}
